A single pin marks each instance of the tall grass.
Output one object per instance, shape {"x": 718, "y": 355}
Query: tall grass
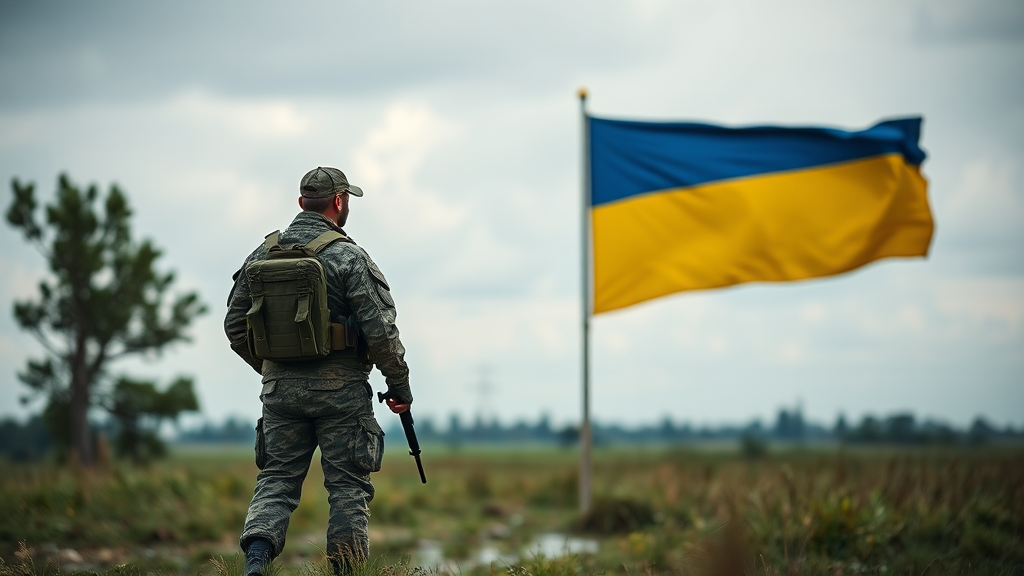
{"x": 655, "y": 512}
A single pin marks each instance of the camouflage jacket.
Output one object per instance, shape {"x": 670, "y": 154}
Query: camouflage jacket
{"x": 355, "y": 286}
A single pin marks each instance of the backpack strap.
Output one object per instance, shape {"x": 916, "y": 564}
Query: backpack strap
{"x": 324, "y": 240}
{"x": 271, "y": 239}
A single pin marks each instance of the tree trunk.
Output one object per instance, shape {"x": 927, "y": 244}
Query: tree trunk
{"x": 81, "y": 438}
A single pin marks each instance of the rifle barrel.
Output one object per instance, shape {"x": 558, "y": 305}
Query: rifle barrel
{"x": 414, "y": 443}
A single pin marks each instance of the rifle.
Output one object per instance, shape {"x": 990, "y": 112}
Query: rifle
{"x": 410, "y": 434}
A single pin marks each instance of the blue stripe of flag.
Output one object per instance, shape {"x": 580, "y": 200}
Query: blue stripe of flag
{"x": 630, "y": 158}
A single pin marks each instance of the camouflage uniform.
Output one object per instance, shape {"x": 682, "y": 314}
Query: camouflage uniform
{"x": 326, "y": 402}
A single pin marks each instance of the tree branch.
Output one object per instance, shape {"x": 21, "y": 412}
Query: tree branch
{"x": 46, "y": 343}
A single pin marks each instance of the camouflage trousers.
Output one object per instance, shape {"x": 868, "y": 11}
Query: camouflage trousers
{"x": 298, "y": 416}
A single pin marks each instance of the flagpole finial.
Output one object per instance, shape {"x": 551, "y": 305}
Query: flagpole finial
{"x": 582, "y": 92}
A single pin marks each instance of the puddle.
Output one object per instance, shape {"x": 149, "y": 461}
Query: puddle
{"x": 428, "y": 554}
{"x": 555, "y": 545}
{"x": 550, "y": 545}
{"x": 488, "y": 554}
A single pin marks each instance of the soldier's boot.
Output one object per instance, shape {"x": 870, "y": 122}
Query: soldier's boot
{"x": 258, "y": 556}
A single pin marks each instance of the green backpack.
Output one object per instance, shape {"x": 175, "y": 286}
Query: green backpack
{"x": 289, "y": 320}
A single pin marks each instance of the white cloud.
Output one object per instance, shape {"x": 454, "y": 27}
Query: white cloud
{"x": 791, "y": 352}
{"x": 992, "y": 306}
{"x": 912, "y": 318}
{"x": 389, "y": 160}
{"x": 395, "y": 148}
{"x": 22, "y": 279}
{"x": 718, "y": 345}
{"x": 466, "y": 141}
{"x": 813, "y": 312}
{"x": 988, "y": 199}
{"x": 257, "y": 119}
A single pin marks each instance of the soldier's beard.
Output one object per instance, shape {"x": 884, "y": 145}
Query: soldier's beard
{"x": 343, "y": 216}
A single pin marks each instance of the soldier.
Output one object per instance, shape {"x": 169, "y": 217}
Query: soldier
{"x": 325, "y": 401}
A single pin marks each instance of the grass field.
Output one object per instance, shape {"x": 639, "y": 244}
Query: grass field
{"x": 657, "y": 511}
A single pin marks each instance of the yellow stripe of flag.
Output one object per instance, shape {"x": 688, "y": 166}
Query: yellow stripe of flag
{"x": 772, "y": 226}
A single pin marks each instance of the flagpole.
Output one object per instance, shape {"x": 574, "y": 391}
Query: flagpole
{"x": 585, "y": 466}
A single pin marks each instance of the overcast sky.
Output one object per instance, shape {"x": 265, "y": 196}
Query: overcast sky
{"x": 460, "y": 121}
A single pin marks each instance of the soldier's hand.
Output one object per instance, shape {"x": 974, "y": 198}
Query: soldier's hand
{"x": 395, "y": 406}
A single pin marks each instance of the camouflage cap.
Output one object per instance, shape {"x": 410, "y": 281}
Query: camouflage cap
{"x": 322, "y": 182}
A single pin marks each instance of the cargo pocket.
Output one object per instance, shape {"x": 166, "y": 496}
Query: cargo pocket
{"x": 369, "y": 445}
{"x": 261, "y": 445}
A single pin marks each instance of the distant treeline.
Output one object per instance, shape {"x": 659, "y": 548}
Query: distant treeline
{"x": 24, "y": 442}
{"x": 31, "y": 440}
{"x": 233, "y": 430}
{"x": 789, "y": 426}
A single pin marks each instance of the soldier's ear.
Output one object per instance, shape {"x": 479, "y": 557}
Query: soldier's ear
{"x": 300, "y": 203}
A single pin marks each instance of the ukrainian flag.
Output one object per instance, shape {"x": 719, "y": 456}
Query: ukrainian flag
{"x": 680, "y": 206}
